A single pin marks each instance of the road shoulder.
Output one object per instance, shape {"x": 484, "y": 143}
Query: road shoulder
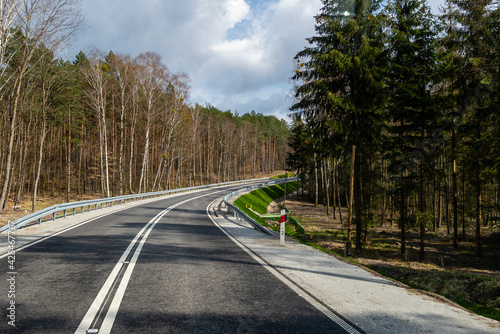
{"x": 373, "y": 303}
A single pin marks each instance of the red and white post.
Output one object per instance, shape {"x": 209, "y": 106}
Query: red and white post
{"x": 282, "y": 227}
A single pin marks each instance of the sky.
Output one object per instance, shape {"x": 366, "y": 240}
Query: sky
{"x": 237, "y": 53}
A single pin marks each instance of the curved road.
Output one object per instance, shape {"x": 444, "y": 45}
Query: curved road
{"x": 160, "y": 267}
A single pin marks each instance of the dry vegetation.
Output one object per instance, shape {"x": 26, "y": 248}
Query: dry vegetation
{"x": 466, "y": 279}
{"x": 382, "y": 244}
{"x": 24, "y": 207}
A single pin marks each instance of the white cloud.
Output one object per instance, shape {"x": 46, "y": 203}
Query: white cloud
{"x": 236, "y": 52}
{"x": 246, "y": 68}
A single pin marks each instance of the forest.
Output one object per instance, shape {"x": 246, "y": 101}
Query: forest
{"x": 397, "y": 111}
{"x": 104, "y": 124}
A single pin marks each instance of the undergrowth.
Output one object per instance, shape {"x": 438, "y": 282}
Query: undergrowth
{"x": 476, "y": 293}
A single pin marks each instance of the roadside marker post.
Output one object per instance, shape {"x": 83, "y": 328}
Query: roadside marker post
{"x": 282, "y": 227}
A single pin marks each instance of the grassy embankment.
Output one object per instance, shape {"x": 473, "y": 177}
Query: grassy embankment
{"x": 257, "y": 201}
{"x": 479, "y": 294}
{"x": 282, "y": 176}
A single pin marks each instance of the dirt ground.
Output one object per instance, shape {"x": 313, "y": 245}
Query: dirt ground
{"x": 382, "y": 247}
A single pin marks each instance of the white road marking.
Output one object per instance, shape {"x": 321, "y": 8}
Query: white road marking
{"x": 98, "y": 301}
{"x": 335, "y": 318}
{"x": 115, "y": 304}
{"x": 109, "y": 319}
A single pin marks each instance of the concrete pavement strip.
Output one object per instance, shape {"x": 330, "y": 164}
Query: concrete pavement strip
{"x": 369, "y": 301}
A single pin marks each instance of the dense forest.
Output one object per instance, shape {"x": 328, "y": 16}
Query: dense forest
{"x": 408, "y": 104}
{"x": 105, "y": 124}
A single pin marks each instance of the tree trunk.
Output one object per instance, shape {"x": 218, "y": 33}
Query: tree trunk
{"x": 423, "y": 218}
{"x": 10, "y": 148}
{"x": 131, "y": 161}
{"x": 358, "y": 205}
{"x": 454, "y": 191}
{"x": 323, "y": 183}
{"x": 105, "y": 138}
{"x": 145, "y": 158}
{"x": 43, "y": 134}
{"x": 351, "y": 198}
{"x": 402, "y": 223}
{"x": 316, "y": 190}
{"x": 479, "y": 250}
{"x": 120, "y": 157}
{"x": 68, "y": 159}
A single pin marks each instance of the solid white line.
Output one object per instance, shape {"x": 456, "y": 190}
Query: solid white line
{"x": 96, "y": 305}
{"x": 118, "y": 297}
{"x": 339, "y": 321}
{"x": 120, "y": 292}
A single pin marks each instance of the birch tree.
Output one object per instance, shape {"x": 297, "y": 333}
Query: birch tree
{"x": 122, "y": 70}
{"x": 152, "y": 77}
{"x": 8, "y": 13}
{"x": 47, "y": 23}
{"x": 96, "y": 76}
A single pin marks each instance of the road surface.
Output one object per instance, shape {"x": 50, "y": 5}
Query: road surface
{"x": 159, "y": 267}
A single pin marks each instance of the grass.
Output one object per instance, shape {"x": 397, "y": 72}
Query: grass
{"x": 260, "y": 198}
{"x": 479, "y": 294}
{"x": 282, "y": 176}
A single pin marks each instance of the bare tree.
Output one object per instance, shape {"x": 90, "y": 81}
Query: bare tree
{"x": 171, "y": 117}
{"x": 45, "y": 25}
{"x": 153, "y": 76}
{"x": 47, "y": 82}
{"x": 135, "y": 112}
{"x": 96, "y": 76}
{"x": 8, "y": 13}
{"x": 122, "y": 68}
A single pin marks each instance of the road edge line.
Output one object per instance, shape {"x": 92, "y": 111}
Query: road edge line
{"x": 331, "y": 314}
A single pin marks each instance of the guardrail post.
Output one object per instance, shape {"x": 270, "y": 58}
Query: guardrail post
{"x": 53, "y": 216}
{"x": 64, "y": 214}
{"x": 74, "y": 211}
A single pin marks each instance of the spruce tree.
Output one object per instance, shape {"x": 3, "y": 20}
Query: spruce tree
{"x": 342, "y": 83}
{"x": 470, "y": 42}
{"x": 411, "y": 112}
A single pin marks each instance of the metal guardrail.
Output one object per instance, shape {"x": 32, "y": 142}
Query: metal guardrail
{"x": 99, "y": 203}
{"x": 238, "y": 213}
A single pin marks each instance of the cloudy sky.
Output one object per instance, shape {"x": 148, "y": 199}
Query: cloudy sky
{"x": 238, "y": 53}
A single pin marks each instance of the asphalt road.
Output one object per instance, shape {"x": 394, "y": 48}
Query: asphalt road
{"x": 161, "y": 267}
